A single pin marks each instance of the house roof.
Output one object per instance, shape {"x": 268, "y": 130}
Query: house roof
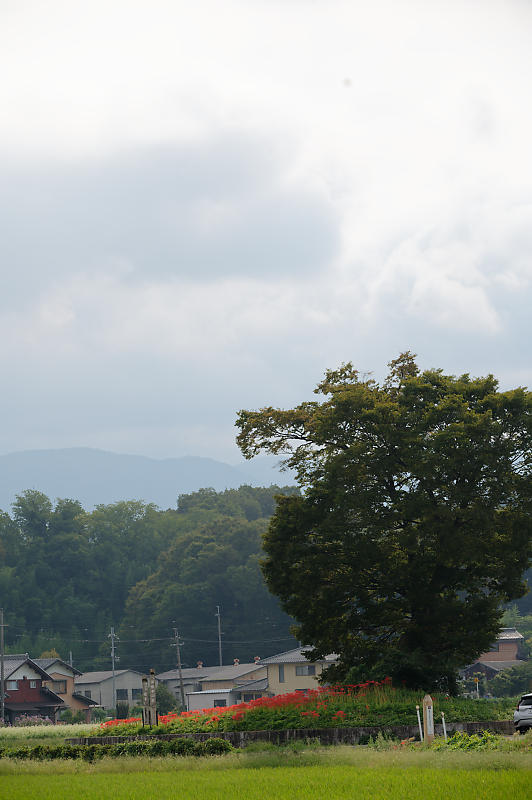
{"x": 233, "y": 671}
{"x": 46, "y": 663}
{"x": 13, "y": 661}
{"x": 212, "y": 691}
{"x": 259, "y": 685}
{"x": 509, "y": 633}
{"x": 104, "y": 675}
{"x": 187, "y": 672}
{"x": 84, "y": 699}
{"x": 296, "y": 656}
{"x": 498, "y": 666}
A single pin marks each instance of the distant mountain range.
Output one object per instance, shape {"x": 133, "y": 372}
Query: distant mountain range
{"x": 97, "y": 476}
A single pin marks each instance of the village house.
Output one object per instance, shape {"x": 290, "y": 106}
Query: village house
{"x": 291, "y": 671}
{"x": 504, "y": 654}
{"x": 62, "y": 682}
{"x": 26, "y": 689}
{"x": 98, "y": 686}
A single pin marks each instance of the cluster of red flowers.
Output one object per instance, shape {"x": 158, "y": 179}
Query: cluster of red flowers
{"x": 298, "y": 699}
{"x": 112, "y": 723}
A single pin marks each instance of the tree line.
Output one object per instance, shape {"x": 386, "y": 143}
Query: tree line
{"x": 67, "y": 575}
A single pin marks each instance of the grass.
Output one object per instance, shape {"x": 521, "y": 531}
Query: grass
{"x": 41, "y": 734}
{"x": 336, "y": 773}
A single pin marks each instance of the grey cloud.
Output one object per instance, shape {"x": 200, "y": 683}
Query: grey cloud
{"x": 198, "y": 212}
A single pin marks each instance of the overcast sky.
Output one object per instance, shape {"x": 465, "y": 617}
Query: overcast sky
{"x": 205, "y": 205}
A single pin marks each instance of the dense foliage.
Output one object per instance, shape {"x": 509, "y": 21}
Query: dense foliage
{"x": 367, "y": 704}
{"x": 93, "y": 752}
{"x": 415, "y": 525}
{"x": 67, "y": 575}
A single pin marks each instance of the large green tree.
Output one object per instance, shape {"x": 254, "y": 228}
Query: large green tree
{"x": 414, "y": 526}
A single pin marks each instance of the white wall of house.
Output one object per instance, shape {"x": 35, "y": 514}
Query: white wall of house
{"x": 24, "y": 671}
{"x": 196, "y": 701}
{"x": 128, "y": 689}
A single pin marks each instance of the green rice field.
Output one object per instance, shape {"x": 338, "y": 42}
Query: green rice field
{"x": 337, "y": 773}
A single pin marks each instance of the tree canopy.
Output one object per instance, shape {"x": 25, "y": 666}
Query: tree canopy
{"x": 414, "y": 526}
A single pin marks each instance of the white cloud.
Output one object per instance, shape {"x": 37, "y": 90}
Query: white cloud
{"x": 239, "y": 195}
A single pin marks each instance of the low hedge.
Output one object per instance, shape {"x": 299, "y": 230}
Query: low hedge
{"x": 93, "y": 752}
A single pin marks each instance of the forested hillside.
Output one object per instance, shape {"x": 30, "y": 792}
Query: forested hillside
{"x": 67, "y": 575}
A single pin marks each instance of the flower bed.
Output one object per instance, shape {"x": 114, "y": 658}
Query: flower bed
{"x": 366, "y": 704}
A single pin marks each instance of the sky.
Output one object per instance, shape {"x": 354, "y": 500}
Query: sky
{"x": 203, "y": 206}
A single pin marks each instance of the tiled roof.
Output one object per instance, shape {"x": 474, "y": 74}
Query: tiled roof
{"x": 46, "y": 663}
{"x": 15, "y": 660}
{"x": 295, "y": 657}
{"x": 509, "y": 633}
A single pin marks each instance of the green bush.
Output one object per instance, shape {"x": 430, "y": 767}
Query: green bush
{"x": 465, "y": 741}
{"x": 92, "y": 752}
{"x": 217, "y": 746}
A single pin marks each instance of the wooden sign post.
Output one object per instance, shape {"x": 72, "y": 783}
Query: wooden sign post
{"x": 428, "y": 718}
{"x": 149, "y": 699}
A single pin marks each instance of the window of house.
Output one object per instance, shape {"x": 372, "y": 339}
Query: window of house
{"x": 59, "y": 687}
{"x": 136, "y": 694}
{"x": 88, "y": 694}
{"x": 306, "y": 669}
{"x": 281, "y": 673}
{"x": 11, "y": 685}
{"x": 248, "y": 698}
{"x": 121, "y": 694}
{"x": 33, "y": 684}
{"x": 221, "y": 702}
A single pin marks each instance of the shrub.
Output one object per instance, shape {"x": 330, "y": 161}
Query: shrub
{"x": 464, "y": 741}
{"x": 217, "y": 746}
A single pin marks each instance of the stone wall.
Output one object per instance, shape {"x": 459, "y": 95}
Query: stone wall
{"x": 323, "y": 735}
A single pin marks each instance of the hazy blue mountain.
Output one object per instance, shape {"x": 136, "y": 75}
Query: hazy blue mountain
{"x": 97, "y": 476}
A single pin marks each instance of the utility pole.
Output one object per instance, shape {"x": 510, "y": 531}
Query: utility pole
{"x": 219, "y": 635}
{"x": 181, "y": 685}
{"x": 2, "y": 681}
{"x": 113, "y": 637}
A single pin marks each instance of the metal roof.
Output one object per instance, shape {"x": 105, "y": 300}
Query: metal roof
{"x": 104, "y": 675}
{"x": 212, "y": 691}
{"x": 498, "y": 666}
{"x": 233, "y": 671}
{"x": 252, "y": 686}
{"x": 188, "y": 672}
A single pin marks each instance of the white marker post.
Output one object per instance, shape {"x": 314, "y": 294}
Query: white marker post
{"x": 419, "y": 724}
{"x": 444, "y": 726}
{"x": 428, "y": 718}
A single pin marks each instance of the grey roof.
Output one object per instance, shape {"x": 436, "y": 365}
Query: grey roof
{"x": 15, "y": 660}
{"x": 188, "y": 672}
{"x": 104, "y": 675}
{"x": 498, "y": 666}
{"x": 509, "y": 633}
{"x": 212, "y": 691}
{"x": 259, "y": 685}
{"x": 296, "y": 656}
{"x": 46, "y": 663}
{"x": 234, "y": 671}
{"x": 84, "y": 699}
